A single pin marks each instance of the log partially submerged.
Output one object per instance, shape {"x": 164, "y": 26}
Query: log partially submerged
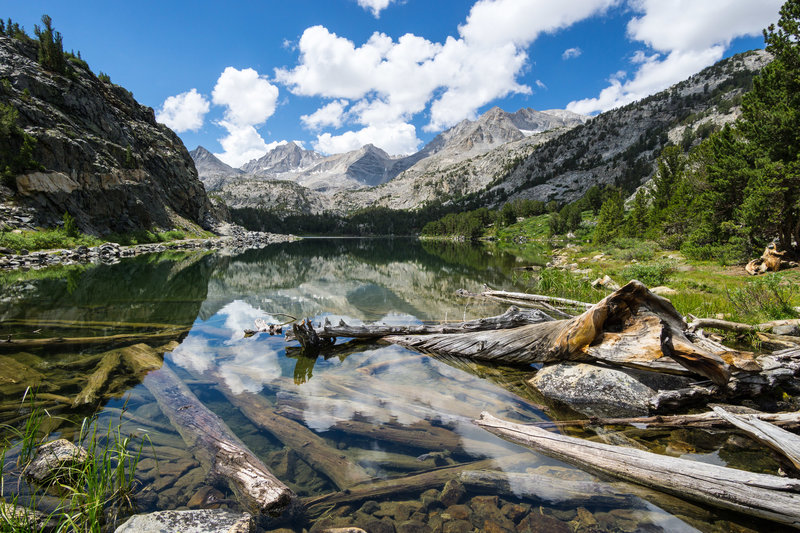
{"x": 216, "y": 447}
{"x": 776, "y": 438}
{"x": 761, "y": 495}
{"x": 513, "y": 317}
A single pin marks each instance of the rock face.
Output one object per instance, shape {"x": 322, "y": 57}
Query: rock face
{"x": 104, "y": 158}
{"x": 213, "y": 172}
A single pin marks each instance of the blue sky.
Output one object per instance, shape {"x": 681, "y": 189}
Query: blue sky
{"x": 241, "y": 76}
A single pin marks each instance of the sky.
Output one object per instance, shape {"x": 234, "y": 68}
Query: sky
{"x": 242, "y": 76}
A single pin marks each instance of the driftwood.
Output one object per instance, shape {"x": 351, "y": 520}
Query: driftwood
{"x": 707, "y": 420}
{"x": 217, "y": 448}
{"x": 409, "y": 484}
{"x": 776, "y": 438}
{"x": 99, "y": 378}
{"x": 630, "y": 327}
{"x": 63, "y": 343}
{"x": 761, "y": 495}
{"x": 307, "y": 444}
{"x": 513, "y": 317}
{"x": 770, "y": 261}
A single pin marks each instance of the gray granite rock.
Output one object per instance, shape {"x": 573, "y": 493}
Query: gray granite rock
{"x": 196, "y": 521}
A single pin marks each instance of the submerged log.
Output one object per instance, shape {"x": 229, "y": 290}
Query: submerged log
{"x": 64, "y": 343}
{"x": 513, "y": 317}
{"x": 630, "y": 327}
{"x": 217, "y": 448}
{"x": 98, "y": 379}
{"x": 780, "y": 440}
{"x": 761, "y": 495}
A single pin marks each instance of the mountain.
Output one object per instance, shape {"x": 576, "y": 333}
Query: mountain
{"x": 620, "y": 147}
{"x": 99, "y": 154}
{"x": 212, "y": 172}
{"x": 287, "y": 157}
{"x": 352, "y": 177}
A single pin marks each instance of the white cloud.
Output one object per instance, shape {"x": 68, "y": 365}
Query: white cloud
{"x": 400, "y": 138}
{"x": 376, "y": 6}
{"x": 242, "y": 144}
{"x": 250, "y": 99}
{"x": 540, "y": 84}
{"x": 331, "y": 114}
{"x": 389, "y": 81}
{"x": 570, "y": 53}
{"x": 184, "y": 112}
{"x": 689, "y": 36}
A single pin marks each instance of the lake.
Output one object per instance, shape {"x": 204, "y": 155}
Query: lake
{"x": 400, "y": 421}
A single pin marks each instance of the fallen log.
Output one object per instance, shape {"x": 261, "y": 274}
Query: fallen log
{"x": 630, "y": 327}
{"x": 409, "y": 484}
{"x": 536, "y": 298}
{"x": 216, "y": 447}
{"x": 761, "y": 495}
{"x": 513, "y": 317}
{"x": 707, "y": 420}
{"x": 63, "y": 343}
{"x": 547, "y": 489}
{"x": 98, "y": 379}
{"x": 307, "y": 444}
{"x": 780, "y": 440}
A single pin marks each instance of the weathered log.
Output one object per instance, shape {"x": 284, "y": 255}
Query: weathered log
{"x": 63, "y": 343}
{"x": 516, "y": 302}
{"x": 630, "y": 327}
{"x": 776, "y": 438}
{"x": 761, "y": 495}
{"x": 217, "y": 448}
{"x": 410, "y": 484}
{"x": 547, "y": 489}
{"x": 99, "y": 378}
{"x": 770, "y": 261}
{"x": 706, "y": 420}
{"x": 307, "y": 444}
{"x": 513, "y": 317}
{"x": 536, "y": 298}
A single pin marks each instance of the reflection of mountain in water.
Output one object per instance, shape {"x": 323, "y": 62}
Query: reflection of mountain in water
{"x": 366, "y": 279}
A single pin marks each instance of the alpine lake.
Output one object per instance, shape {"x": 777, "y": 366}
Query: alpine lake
{"x": 402, "y": 420}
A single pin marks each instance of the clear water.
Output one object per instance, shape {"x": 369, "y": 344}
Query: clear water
{"x": 391, "y": 413}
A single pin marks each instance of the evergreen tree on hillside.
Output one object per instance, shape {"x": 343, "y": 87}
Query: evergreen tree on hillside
{"x": 610, "y": 219}
{"x": 51, "y": 48}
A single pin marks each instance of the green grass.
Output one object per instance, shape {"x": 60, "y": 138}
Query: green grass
{"x": 44, "y": 240}
{"x": 91, "y": 495}
{"x": 651, "y": 274}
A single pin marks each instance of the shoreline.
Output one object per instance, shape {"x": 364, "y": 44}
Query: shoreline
{"x": 110, "y": 252}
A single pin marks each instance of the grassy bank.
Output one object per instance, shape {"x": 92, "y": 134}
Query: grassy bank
{"x": 703, "y": 288}
{"x": 50, "y": 239}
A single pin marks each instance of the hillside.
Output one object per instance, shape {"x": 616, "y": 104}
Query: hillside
{"x": 98, "y": 154}
{"x": 620, "y": 146}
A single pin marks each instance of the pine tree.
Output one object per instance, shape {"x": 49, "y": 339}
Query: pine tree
{"x": 610, "y": 219}
{"x": 51, "y": 48}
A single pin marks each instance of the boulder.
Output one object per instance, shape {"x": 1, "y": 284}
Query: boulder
{"x": 54, "y": 460}
{"x": 601, "y": 391}
{"x": 195, "y": 521}
{"x": 606, "y": 283}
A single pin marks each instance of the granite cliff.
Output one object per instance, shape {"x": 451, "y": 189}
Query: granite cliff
{"x": 101, "y": 156}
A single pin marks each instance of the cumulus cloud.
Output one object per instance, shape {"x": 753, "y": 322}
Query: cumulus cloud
{"x": 184, "y": 112}
{"x": 249, "y": 100}
{"x": 331, "y": 114}
{"x": 569, "y": 53}
{"x": 389, "y": 81}
{"x": 376, "y": 6}
{"x": 687, "y": 36}
{"x": 400, "y": 138}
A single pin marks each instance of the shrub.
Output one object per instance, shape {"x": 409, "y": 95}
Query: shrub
{"x": 70, "y": 225}
{"x": 767, "y": 297}
{"x": 651, "y": 274}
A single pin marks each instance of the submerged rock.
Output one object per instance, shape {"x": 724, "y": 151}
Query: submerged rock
{"x": 55, "y": 460}
{"x": 197, "y": 521}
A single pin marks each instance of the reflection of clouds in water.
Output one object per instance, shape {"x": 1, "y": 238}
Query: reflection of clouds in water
{"x": 245, "y": 365}
{"x": 241, "y": 315}
{"x": 399, "y": 319}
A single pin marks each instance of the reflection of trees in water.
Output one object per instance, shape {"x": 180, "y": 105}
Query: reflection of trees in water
{"x": 167, "y": 289}
{"x": 361, "y": 278}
